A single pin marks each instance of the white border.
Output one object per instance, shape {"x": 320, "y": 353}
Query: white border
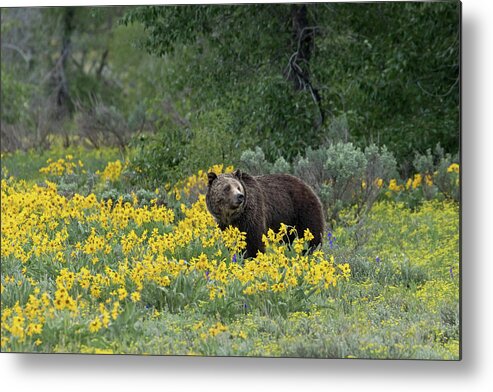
{"x": 136, "y": 373}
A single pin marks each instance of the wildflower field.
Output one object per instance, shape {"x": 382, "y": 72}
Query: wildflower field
{"x": 92, "y": 264}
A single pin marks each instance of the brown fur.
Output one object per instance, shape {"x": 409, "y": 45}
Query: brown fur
{"x": 267, "y": 202}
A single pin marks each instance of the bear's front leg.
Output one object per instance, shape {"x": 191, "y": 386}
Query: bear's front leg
{"x": 254, "y": 244}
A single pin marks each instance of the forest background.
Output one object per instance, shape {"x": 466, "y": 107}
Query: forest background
{"x": 191, "y": 86}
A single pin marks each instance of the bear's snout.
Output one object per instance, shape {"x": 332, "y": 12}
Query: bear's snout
{"x": 240, "y": 197}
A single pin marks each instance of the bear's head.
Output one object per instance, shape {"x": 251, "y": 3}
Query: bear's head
{"x": 226, "y": 196}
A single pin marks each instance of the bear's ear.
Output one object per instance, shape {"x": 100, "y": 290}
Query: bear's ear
{"x": 211, "y": 176}
{"x": 237, "y": 173}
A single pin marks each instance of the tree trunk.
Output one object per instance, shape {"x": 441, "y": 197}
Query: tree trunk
{"x": 298, "y": 71}
{"x": 64, "y": 106}
{"x": 303, "y": 44}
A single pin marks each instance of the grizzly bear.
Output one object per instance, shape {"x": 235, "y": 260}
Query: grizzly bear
{"x": 255, "y": 204}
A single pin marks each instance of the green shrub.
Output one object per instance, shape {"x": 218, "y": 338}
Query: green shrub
{"x": 254, "y": 162}
{"x": 345, "y": 176}
{"x": 176, "y": 151}
{"x": 281, "y": 166}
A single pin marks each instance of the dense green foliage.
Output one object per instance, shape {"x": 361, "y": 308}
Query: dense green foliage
{"x": 386, "y": 73}
{"x": 218, "y": 80}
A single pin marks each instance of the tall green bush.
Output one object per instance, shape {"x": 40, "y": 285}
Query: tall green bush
{"x": 175, "y": 151}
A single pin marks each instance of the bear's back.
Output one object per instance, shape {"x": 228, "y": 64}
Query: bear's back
{"x": 289, "y": 200}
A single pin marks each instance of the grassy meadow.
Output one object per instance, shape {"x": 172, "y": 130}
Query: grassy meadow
{"x": 94, "y": 264}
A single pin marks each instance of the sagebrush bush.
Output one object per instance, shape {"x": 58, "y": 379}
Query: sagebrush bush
{"x": 281, "y": 166}
{"x": 311, "y": 168}
{"x": 254, "y": 162}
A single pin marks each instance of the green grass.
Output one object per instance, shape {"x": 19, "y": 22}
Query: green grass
{"x": 26, "y": 164}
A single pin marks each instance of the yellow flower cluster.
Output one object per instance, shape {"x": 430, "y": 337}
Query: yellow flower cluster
{"x": 394, "y": 187}
{"x": 234, "y": 239}
{"x": 417, "y": 180}
{"x": 378, "y": 182}
{"x": 104, "y": 255}
{"x": 278, "y": 271}
{"x": 22, "y": 322}
{"x": 61, "y": 166}
{"x": 217, "y": 329}
{"x": 112, "y": 171}
{"x": 453, "y": 168}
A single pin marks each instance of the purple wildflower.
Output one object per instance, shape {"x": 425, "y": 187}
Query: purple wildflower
{"x": 377, "y": 259}
{"x": 234, "y": 258}
{"x": 451, "y": 271}
{"x": 331, "y": 239}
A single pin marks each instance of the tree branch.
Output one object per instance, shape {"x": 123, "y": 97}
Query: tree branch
{"x": 438, "y": 95}
{"x": 26, "y": 57}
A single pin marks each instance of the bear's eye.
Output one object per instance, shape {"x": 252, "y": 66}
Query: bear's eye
{"x": 227, "y": 188}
